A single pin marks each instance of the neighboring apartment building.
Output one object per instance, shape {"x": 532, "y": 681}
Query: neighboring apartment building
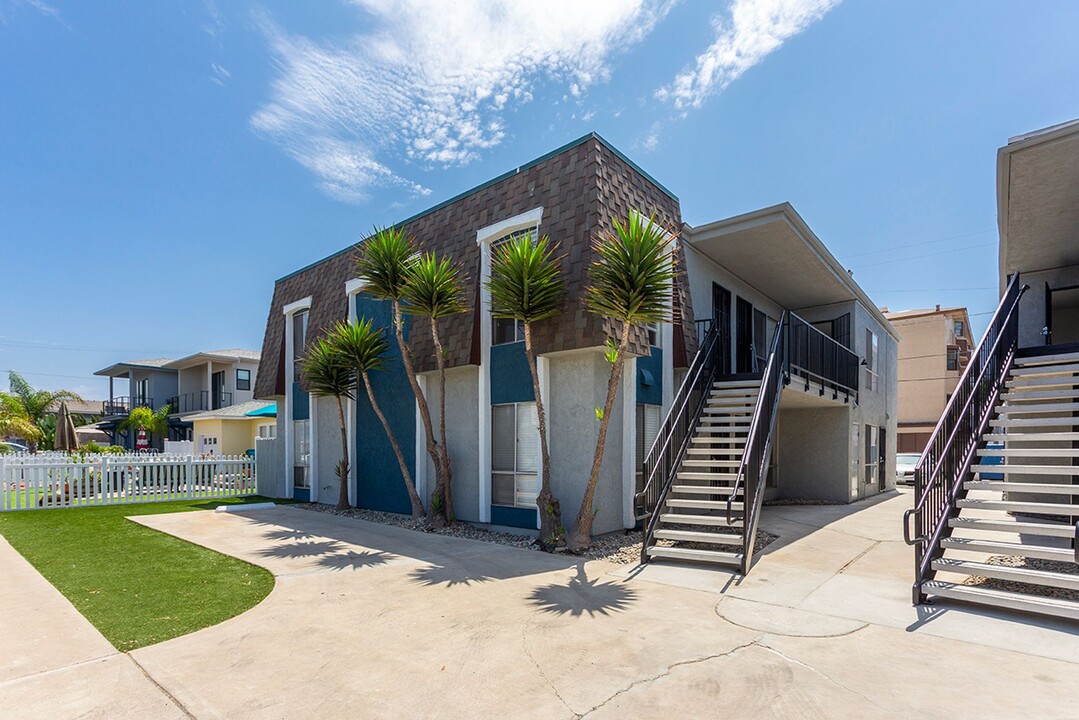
{"x": 1018, "y": 401}
{"x": 197, "y": 383}
{"x": 933, "y": 352}
{"x": 233, "y": 430}
{"x": 739, "y": 276}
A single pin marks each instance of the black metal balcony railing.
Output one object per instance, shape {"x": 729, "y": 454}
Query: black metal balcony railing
{"x": 817, "y": 358}
{"x": 200, "y": 400}
{"x": 952, "y": 448}
{"x": 123, "y": 404}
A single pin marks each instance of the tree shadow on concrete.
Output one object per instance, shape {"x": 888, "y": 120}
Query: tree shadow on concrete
{"x": 353, "y": 560}
{"x": 433, "y": 575}
{"x": 300, "y": 550}
{"x": 581, "y": 595}
{"x": 287, "y": 534}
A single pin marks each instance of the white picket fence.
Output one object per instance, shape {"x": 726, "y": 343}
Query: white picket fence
{"x": 30, "y": 482}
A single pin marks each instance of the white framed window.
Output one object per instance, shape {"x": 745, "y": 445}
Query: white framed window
{"x": 268, "y": 430}
{"x": 514, "y": 455}
{"x": 872, "y": 454}
{"x": 301, "y": 433}
{"x": 299, "y": 335}
{"x": 648, "y": 420}
{"x": 510, "y": 330}
{"x": 871, "y": 358}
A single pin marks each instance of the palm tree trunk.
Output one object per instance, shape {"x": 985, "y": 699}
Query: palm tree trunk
{"x": 413, "y": 496}
{"x": 447, "y": 470}
{"x": 342, "y": 468}
{"x": 582, "y": 533}
{"x": 550, "y": 510}
{"x": 433, "y": 516}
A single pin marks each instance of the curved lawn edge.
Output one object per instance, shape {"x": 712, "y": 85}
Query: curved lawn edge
{"x": 138, "y": 586}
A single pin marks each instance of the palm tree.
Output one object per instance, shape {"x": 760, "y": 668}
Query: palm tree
{"x": 36, "y": 404}
{"x": 433, "y": 290}
{"x": 630, "y": 283}
{"x": 384, "y": 262}
{"x": 14, "y": 422}
{"x": 363, "y": 348}
{"x": 143, "y": 418}
{"x": 526, "y": 284}
{"x": 328, "y": 374}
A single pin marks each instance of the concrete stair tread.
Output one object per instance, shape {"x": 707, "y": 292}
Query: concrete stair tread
{"x": 1028, "y": 371}
{"x": 1001, "y": 547}
{"x": 1025, "y": 437}
{"x": 1036, "y": 422}
{"x": 1031, "y": 395}
{"x": 1048, "y": 359}
{"x": 1064, "y": 452}
{"x": 1005, "y": 572}
{"x": 711, "y": 463}
{"x": 705, "y": 476}
{"x": 686, "y": 519}
{"x": 701, "y": 504}
{"x": 712, "y": 556}
{"x": 699, "y": 536}
{"x": 724, "y": 490}
{"x": 1019, "y": 506}
{"x": 1022, "y": 527}
{"x": 1019, "y": 409}
{"x": 1003, "y": 598}
{"x": 1023, "y": 487}
{"x": 1013, "y": 469}
{"x": 1039, "y": 382}
{"x": 713, "y": 451}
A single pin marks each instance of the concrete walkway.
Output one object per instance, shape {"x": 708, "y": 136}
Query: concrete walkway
{"x": 55, "y": 665}
{"x": 373, "y": 621}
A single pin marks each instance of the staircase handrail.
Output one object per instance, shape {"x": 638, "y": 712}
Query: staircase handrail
{"x": 759, "y": 442}
{"x": 674, "y": 436}
{"x": 963, "y": 420}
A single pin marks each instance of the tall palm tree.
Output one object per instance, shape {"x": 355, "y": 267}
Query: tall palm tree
{"x": 526, "y": 284}
{"x": 36, "y": 404}
{"x": 328, "y": 373}
{"x": 384, "y": 262}
{"x": 630, "y": 283}
{"x": 143, "y": 418}
{"x": 433, "y": 289}
{"x": 363, "y": 348}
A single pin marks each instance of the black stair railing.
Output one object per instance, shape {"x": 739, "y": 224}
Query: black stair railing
{"x": 753, "y": 469}
{"x": 814, "y": 356}
{"x": 945, "y": 463}
{"x": 669, "y": 449}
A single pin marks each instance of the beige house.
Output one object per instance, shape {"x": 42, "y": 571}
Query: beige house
{"x": 934, "y": 349}
{"x": 232, "y": 430}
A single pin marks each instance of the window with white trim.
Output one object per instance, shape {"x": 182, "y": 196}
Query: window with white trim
{"x": 301, "y": 463}
{"x": 514, "y": 455}
{"x": 269, "y": 430}
{"x": 870, "y": 360}
{"x": 299, "y": 336}
{"x": 510, "y": 330}
{"x": 648, "y": 420}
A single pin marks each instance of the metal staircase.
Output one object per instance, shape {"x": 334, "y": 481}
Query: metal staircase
{"x": 705, "y": 472}
{"x": 984, "y": 532}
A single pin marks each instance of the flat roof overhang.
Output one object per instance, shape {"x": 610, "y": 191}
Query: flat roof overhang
{"x": 774, "y": 250}
{"x": 203, "y": 358}
{"x": 1038, "y": 200}
{"x": 123, "y": 370}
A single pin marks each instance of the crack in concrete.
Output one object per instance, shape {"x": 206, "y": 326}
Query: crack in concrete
{"x": 541, "y": 671}
{"x": 52, "y": 671}
{"x": 859, "y": 556}
{"x": 175, "y": 701}
{"x": 669, "y": 670}
{"x": 824, "y": 675}
{"x": 724, "y": 618}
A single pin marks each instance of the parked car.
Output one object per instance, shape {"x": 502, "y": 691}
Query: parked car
{"x": 904, "y": 467}
{"x": 6, "y": 447}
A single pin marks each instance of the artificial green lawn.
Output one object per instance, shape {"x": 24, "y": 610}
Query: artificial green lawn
{"x": 136, "y": 585}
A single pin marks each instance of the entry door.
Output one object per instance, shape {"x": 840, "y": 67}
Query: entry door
{"x": 217, "y": 383}
{"x": 1061, "y": 315}
{"x": 743, "y": 336}
{"x": 721, "y": 316}
{"x": 207, "y": 445}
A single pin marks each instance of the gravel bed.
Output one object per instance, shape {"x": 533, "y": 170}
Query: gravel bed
{"x": 618, "y": 547}
{"x": 1026, "y": 588}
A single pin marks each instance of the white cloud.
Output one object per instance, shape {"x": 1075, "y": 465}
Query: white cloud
{"x": 430, "y": 81}
{"x": 754, "y": 29}
{"x": 219, "y": 74}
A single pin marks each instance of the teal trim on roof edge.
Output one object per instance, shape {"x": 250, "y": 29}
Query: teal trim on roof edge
{"x": 527, "y": 166}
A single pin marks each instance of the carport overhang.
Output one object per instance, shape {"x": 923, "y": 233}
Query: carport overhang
{"x": 774, "y": 250}
{"x": 1037, "y": 211}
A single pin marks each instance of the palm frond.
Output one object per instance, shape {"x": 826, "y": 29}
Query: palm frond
{"x": 326, "y": 370}
{"x": 362, "y": 346}
{"x": 526, "y": 280}
{"x": 147, "y": 419}
{"x": 383, "y": 263}
{"x": 632, "y": 278}
{"x": 433, "y": 287}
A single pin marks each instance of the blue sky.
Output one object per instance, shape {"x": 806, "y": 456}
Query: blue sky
{"x": 162, "y": 163}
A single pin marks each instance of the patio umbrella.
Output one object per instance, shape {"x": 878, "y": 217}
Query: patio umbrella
{"x": 65, "y": 430}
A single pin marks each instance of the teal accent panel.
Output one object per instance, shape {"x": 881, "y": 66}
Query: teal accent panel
{"x": 301, "y": 494}
{"x": 514, "y": 516}
{"x": 511, "y": 380}
{"x": 650, "y": 378}
{"x": 301, "y": 403}
{"x": 379, "y": 485}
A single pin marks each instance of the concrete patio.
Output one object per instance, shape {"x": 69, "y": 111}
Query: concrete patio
{"x": 375, "y": 621}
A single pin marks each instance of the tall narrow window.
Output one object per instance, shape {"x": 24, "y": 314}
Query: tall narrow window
{"x": 301, "y": 433}
{"x": 872, "y": 451}
{"x": 514, "y": 455}
{"x": 870, "y": 360}
{"x": 509, "y": 330}
{"x": 953, "y": 358}
{"x": 647, "y": 429}
{"x": 959, "y": 328}
{"x": 299, "y": 335}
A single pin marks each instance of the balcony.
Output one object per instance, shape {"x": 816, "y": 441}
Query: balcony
{"x": 819, "y": 361}
{"x": 200, "y": 401}
{"x": 123, "y": 404}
